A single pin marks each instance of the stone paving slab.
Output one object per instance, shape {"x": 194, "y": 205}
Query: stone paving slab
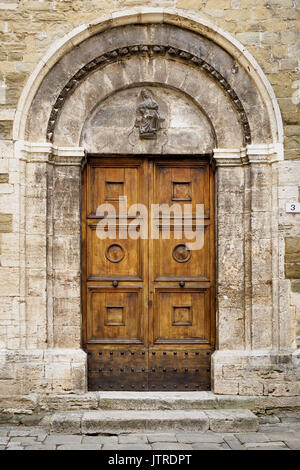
{"x": 293, "y": 444}
{"x": 127, "y": 447}
{"x": 162, "y": 437}
{"x": 207, "y": 446}
{"x": 170, "y": 446}
{"x": 190, "y": 437}
{"x": 41, "y": 436}
{"x": 252, "y": 437}
{"x": 276, "y": 435}
{"x": 4, "y": 440}
{"x": 40, "y": 447}
{"x": 19, "y": 432}
{"x": 79, "y": 447}
{"x": 293, "y": 426}
{"x": 233, "y": 443}
{"x": 265, "y": 445}
{"x": 63, "y": 439}
{"x": 275, "y": 428}
{"x": 281, "y": 436}
{"x": 110, "y": 440}
{"x": 23, "y": 439}
{"x": 132, "y": 438}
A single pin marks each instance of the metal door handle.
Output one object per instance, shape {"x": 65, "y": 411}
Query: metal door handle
{"x": 115, "y": 283}
{"x": 181, "y": 283}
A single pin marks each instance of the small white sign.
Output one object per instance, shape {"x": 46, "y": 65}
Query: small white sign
{"x": 293, "y": 207}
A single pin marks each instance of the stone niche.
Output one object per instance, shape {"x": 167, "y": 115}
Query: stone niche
{"x": 211, "y": 98}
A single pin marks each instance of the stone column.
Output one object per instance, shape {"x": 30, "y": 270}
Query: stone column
{"x": 50, "y": 359}
{"x": 256, "y": 354}
{"x": 230, "y": 239}
{"x": 231, "y": 264}
{"x": 66, "y": 249}
{"x": 261, "y": 205}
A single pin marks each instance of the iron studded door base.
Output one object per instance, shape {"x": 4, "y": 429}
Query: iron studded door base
{"x": 154, "y": 370}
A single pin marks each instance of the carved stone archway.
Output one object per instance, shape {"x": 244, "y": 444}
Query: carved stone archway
{"x": 182, "y": 60}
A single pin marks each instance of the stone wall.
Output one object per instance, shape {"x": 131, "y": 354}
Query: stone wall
{"x": 258, "y": 374}
{"x": 292, "y": 271}
{"x": 269, "y": 29}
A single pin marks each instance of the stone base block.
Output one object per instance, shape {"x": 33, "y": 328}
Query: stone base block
{"x": 42, "y": 371}
{"x": 256, "y": 373}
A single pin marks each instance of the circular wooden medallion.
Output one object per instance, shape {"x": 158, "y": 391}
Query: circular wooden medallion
{"x": 181, "y": 253}
{"x": 115, "y": 253}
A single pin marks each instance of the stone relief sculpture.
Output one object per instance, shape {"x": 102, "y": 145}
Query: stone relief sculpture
{"x": 118, "y": 54}
{"x": 148, "y": 120}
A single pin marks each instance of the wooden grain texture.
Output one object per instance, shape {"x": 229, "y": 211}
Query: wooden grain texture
{"x": 148, "y": 304}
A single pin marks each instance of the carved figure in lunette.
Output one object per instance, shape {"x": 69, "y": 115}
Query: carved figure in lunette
{"x": 148, "y": 121}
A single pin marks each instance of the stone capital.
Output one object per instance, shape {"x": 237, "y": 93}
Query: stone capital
{"x": 256, "y": 153}
{"x": 230, "y": 157}
{"x": 264, "y": 153}
{"x": 44, "y": 152}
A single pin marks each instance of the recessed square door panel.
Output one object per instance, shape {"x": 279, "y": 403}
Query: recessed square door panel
{"x": 110, "y": 182}
{"x": 182, "y": 184}
{"x": 180, "y": 317}
{"x": 114, "y": 316}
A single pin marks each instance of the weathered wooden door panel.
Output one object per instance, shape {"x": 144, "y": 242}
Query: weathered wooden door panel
{"x": 148, "y": 303}
{"x": 115, "y": 277}
{"x": 113, "y": 315}
{"x": 181, "y": 280}
{"x": 180, "y": 316}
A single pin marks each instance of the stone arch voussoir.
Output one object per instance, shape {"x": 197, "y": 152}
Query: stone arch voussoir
{"x": 177, "y": 42}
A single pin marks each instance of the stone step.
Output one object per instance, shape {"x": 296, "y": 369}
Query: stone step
{"x": 143, "y": 401}
{"x": 133, "y": 421}
{"x": 31, "y": 406}
{"x": 172, "y": 401}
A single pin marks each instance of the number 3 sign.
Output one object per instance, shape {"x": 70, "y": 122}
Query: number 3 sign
{"x": 293, "y": 207}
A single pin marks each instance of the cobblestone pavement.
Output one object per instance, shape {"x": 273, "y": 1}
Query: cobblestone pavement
{"x": 280, "y": 432}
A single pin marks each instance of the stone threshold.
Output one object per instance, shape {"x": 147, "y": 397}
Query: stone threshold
{"x": 34, "y": 404}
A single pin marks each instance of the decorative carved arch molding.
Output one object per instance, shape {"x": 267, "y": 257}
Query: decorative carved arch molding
{"x": 149, "y": 53}
{"x": 156, "y": 55}
{"x": 85, "y": 91}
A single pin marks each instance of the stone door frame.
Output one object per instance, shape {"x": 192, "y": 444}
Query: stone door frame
{"x": 254, "y": 323}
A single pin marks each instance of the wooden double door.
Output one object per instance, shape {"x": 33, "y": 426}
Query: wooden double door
{"x": 148, "y": 299}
